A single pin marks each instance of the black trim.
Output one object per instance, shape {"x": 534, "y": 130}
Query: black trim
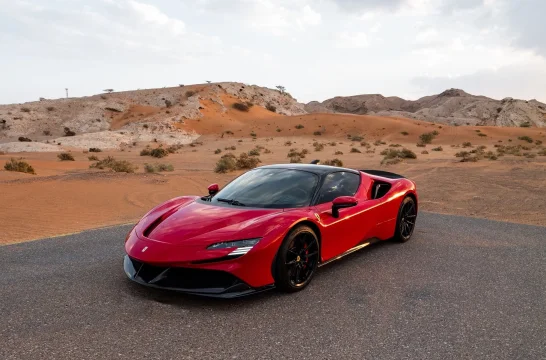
{"x": 202, "y": 282}
{"x": 385, "y": 174}
{"x": 360, "y": 246}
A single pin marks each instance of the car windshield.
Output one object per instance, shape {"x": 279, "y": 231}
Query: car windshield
{"x": 270, "y": 188}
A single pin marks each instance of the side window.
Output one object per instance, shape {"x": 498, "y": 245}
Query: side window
{"x": 338, "y": 184}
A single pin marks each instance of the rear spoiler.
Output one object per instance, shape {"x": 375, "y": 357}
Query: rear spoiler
{"x": 384, "y": 174}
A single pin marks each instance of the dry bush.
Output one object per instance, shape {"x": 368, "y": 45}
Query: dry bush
{"x": 439, "y": 148}
{"x": 153, "y": 168}
{"x": 217, "y": 151}
{"x": 356, "y": 137}
{"x": 482, "y": 134}
{"x": 241, "y": 106}
{"x": 93, "y": 158}
{"x": 278, "y": 130}
{"x": 405, "y": 133}
{"x": 230, "y": 148}
{"x": 297, "y": 153}
{"x": 542, "y": 152}
{"x": 247, "y": 162}
{"x": 317, "y": 133}
{"x": 334, "y": 162}
{"x": 467, "y": 144}
{"x": 355, "y": 150}
{"x": 525, "y": 124}
{"x": 318, "y": 146}
{"x": 526, "y": 138}
{"x": 395, "y": 145}
{"x": 271, "y": 107}
{"x": 65, "y": 156}
{"x": 288, "y": 143}
{"x": 229, "y": 132}
{"x": 25, "y": 109}
{"x": 379, "y": 142}
{"x": 157, "y": 152}
{"x": 295, "y": 160}
{"x": 365, "y": 144}
{"x": 253, "y": 134}
{"x": 424, "y": 152}
{"x": 116, "y": 165}
{"x": 427, "y": 138}
{"x": 254, "y": 152}
{"x": 333, "y": 143}
{"x": 190, "y": 93}
{"x": 95, "y": 150}
{"x": 68, "y": 132}
{"x": 338, "y": 153}
{"x": 19, "y": 165}
{"x": 390, "y": 154}
{"x": 172, "y": 149}
{"x": 24, "y": 139}
{"x": 50, "y": 108}
{"x": 299, "y": 126}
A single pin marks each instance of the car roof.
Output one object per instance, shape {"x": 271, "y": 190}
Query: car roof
{"x": 316, "y": 169}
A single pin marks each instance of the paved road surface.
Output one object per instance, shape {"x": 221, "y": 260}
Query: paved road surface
{"x": 461, "y": 288}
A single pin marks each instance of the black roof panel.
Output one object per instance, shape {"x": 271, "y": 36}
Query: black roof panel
{"x": 317, "y": 169}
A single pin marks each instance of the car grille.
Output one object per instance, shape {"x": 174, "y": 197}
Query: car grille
{"x": 183, "y": 278}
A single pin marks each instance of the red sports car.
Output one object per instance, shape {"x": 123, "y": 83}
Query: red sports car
{"x": 271, "y": 227}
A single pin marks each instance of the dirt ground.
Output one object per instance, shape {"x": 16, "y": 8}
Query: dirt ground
{"x": 66, "y": 197}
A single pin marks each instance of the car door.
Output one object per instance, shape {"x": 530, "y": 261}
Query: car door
{"x": 349, "y": 229}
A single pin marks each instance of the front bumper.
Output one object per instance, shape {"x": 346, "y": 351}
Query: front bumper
{"x": 211, "y": 283}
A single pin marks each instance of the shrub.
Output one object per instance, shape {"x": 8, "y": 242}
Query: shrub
{"x": 174, "y": 148}
{"x": 338, "y": 153}
{"x": 295, "y": 160}
{"x": 395, "y": 145}
{"x": 271, "y": 107}
{"x": 226, "y": 164}
{"x": 542, "y": 152}
{"x": 317, "y": 133}
{"x": 254, "y": 152}
{"x": 116, "y": 165}
{"x": 334, "y": 162}
{"x": 47, "y": 132}
{"x": 246, "y": 162}
{"x": 230, "y": 148}
{"x": 190, "y": 93}
{"x": 365, "y": 144}
{"x": 421, "y": 145}
{"x": 424, "y": 152}
{"x": 96, "y": 150}
{"x": 356, "y": 138}
{"x": 299, "y": 126}
{"x": 267, "y": 151}
{"x": 318, "y": 146}
{"x": 278, "y": 130}
{"x": 93, "y": 158}
{"x": 295, "y": 152}
{"x": 288, "y": 143}
{"x": 25, "y": 109}
{"x": 467, "y": 144}
{"x": 525, "y": 124}
{"x": 168, "y": 103}
{"x": 538, "y": 142}
{"x": 253, "y": 134}
{"x": 427, "y": 138}
{"x": 241, "y": 106}
{"x": 24, "y": 139}
{"x": 19, "y": 165}
{"x": 229, "y": 132}
{"x": 68, "y": 132}
{"x": 217, "y": 151}
{"x": 355, "y": 150}
{"x": 50, "y": 108}
{"x": 525, "y": 138}
{"x": 439, "y": 148}
{"x": 65, "y": 157}
{"x": 157, "y": 152}
{"x": 390, "y": 154}
{"x": 152, "y": 168}
{"x": 482, "y": 134}
{"x": 379, "y": 142}
{"x": 405, "y": 133}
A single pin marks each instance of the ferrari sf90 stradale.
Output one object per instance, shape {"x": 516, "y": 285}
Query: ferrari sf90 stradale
{"x": 271, "y": 227}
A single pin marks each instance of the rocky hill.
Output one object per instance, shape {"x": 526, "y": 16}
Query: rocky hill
{"x": 112, "y": 120}
{"x": 452, "y": 106}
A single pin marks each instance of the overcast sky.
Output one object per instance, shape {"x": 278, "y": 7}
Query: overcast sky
{"x": 316, "y": 48}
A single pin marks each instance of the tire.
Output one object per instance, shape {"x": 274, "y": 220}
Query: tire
{"x": 297, "y": 259}
{"x": 405, "y": 222}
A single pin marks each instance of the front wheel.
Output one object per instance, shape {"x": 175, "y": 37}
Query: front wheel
{"x": 297, "y": 259}
{"x": 406, "y": 220}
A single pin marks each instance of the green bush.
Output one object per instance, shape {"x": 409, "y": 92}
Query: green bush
{"x": 526, "y": 138}
{"x": 157, "y": 152}
{"x": 19, "y": 165}
{"x": 247, "y": 162}
{"x": 391, "y": 154}
{"x": 427, "y": 138}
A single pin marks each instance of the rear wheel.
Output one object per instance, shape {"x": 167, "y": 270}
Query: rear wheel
{"x": 297, "y": 259}
{"x": 405, "y": 224}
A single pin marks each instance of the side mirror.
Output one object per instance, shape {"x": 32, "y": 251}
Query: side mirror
{"x": 213, "y": 189}
{"x": 342, "y": 202}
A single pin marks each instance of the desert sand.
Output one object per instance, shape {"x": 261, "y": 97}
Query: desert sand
{"x": 67, "y": 196}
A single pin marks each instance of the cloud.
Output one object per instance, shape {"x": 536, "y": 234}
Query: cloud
{"x": 354, "y": 40}
{"x": 361, "y": 5}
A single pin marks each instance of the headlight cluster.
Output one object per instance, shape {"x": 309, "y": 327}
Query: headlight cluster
{"x": 242, "y": 246}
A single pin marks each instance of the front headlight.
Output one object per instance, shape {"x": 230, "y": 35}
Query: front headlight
{"x": 242, "y": 246}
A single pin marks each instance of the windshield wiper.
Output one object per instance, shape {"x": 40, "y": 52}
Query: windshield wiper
{"x": 231, "y": 202}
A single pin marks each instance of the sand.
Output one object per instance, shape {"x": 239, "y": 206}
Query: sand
{"x": 66, "y": 197}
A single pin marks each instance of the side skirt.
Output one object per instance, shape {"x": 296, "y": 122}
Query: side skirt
{"x": 350, "y": 251}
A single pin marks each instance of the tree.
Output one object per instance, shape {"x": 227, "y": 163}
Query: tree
{"x": 208, "y": 81}
{"x": 109, "y": 91}
{"x": 281, "y": 88}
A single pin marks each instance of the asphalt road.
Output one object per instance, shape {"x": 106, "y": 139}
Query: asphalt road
{"x": 461, "y": 288}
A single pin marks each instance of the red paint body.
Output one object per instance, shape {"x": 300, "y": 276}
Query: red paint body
{"x": 187, "y": 227}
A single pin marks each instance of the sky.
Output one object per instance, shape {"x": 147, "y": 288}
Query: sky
{"x": 317, "y": 49}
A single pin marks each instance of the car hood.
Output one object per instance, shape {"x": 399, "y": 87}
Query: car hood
{"x": 199, "y": 222}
